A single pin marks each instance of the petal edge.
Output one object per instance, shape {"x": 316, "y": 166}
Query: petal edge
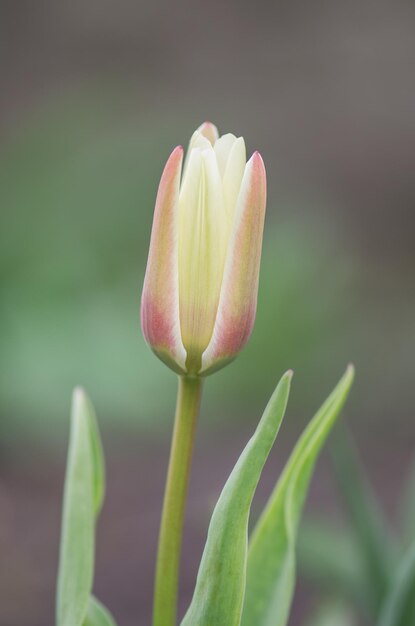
{"x": 160, "y": 298}
{"x": 237, "y": 304}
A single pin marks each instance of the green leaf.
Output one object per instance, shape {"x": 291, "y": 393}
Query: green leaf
{"x": 219, "y": 591}
{"x": 83, "y": 494}
{"x": 98, "y": 615}
{"x": 271, "y": 556}
{"x": 97, "y": 457}
{"x": 399, "y": 606}
{"x": 370, "y": 526}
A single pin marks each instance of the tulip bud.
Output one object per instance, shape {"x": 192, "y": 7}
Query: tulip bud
{"x": 200, "y": 289}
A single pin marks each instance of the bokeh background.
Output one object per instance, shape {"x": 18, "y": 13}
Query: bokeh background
{"x": 93, "y": 97}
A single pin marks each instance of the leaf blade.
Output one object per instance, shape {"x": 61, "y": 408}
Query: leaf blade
{"x": 98, "y": 464}
{"x": 83, "y": 493}
{"x": 219, "y": 591}
{"x": 271, "y": 555}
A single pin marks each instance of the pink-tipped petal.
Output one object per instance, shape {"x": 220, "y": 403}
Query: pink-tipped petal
{"x": 209, "y": 130}
{"x": 238, "y": 298}
{"x": 160, "y": 299}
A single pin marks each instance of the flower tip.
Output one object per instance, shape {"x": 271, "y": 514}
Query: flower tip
{"x": 209, "y": 131}
{"x": 173, "y": 163}
{"x": 257, "y": 171}
{"x": 257, "y": 160}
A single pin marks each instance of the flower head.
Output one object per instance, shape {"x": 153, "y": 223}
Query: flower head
{"x": 200, "y": 289}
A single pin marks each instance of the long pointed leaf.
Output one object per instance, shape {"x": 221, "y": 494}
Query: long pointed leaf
{"x": 218, "y": 596}
{"x": 271, "y": 556}
{"x": 83, "y": 493}
{"x": 98, "y": 463}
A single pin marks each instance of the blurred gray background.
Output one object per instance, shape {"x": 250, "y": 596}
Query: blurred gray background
{"x": 93, "y": 97}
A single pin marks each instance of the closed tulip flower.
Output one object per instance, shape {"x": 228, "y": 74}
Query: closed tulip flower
{"x": 197, "y": 312}
{"x": 201, "y": 283}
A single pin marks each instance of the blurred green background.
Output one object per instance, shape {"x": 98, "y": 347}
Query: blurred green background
{"x": 94, "y": 95}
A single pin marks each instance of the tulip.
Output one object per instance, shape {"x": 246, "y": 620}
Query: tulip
{"x": 200, "y": 289}
{"x": 199, "y": 300}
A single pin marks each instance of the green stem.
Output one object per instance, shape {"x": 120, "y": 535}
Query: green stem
{"x": 171, "y": 529}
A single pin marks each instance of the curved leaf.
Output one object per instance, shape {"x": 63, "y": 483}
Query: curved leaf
{"x": 98, "y": 463}
{"x": 219, "y": 591}
{"x": 83, "y": 493}
{"x": 271, "y": 556}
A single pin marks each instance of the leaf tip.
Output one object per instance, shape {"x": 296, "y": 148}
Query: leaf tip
{"x": 350, "y": 372}
{"x": 78, "y": 393}
{"x": 80, "y": 402}
{"x": 79, "y": 399}
{"x": 287, "y": 377}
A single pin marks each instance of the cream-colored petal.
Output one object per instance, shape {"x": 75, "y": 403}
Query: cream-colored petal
{"x": 232, "y": 179}
{"x": 202, "y": 250}
{"x": 209, "y": 130}
{"x": 198, "y": 140}
{"x": 223, "y": 147}
{"x": 160, "y": 298}
{"x": 237, "y": 304}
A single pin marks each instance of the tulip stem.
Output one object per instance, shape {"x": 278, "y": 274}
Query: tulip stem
{"x": 171, "y": 529}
